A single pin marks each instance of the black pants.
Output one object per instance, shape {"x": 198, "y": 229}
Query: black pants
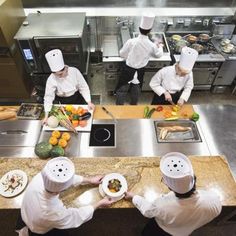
{"x": 54, "y": 232}
{"x": 153, "y": 229}
{"x": 160, "y": 100}
{"x": 76, "y": 98}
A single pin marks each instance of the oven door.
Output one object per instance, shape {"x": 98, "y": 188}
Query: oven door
{"x": 71, "y": 49}
{"x": 203, "y": 77}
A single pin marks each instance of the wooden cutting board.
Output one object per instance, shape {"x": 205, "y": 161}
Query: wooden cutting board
{"x": 137, "y": 112}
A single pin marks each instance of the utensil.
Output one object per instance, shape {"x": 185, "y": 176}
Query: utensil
{"x": 172, "y": 103}
{"x": 110, "y": 114}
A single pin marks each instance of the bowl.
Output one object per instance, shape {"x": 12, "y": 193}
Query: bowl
{"x": 113, "y": 185}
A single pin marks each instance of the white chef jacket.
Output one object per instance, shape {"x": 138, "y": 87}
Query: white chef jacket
{"x": 166, "y": 79}
{"x": 180, "y": 217}
{"x": 42, "y": 211}
{"x": 65, "y": 87}
{"x": 137, "y": 52}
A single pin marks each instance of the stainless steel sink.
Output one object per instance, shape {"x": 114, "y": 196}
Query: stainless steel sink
{"x": 189, "y": 136}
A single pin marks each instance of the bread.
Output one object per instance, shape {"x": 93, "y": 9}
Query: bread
{"x": 165, "y": 130}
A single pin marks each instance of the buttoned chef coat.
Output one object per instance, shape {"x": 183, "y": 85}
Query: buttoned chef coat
{"x": 180, "y": 217}
{"x": 65, "y": 87}
{"x": 42, "y": 211}
{"x": 166, "y": 79}
{"x": 137, "y": 52}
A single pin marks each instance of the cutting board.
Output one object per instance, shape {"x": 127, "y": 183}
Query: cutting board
{"x": 136, "y": 112}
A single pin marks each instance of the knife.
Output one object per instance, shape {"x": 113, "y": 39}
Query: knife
{"x": 110, "y": 114}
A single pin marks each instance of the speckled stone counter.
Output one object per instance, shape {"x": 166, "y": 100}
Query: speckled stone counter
{"x": 142, "y": 174}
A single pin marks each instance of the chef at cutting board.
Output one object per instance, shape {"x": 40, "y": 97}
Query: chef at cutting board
{"x": 66, "y": 84}
{"x": 175, "y": 83}
{"x": 136, "y": 52}
{"x": 42, "y": 211}
{"x": 182, "y": 210}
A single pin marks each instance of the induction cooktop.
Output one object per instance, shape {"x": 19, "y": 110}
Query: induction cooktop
{"x": 102, "y": 135}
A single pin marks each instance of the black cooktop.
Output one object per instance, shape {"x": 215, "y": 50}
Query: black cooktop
{"x": 102, "y": 135}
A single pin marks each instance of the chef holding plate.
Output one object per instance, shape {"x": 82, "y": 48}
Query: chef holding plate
{"x": 66, "y": 84}
{"x": 175, "y": 83}
{"x": 42, "y": 211}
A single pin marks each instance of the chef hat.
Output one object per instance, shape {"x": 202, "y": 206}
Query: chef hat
{"x": 147, "y": 21}
{"x": 58, "y": 174}
{"x": 55, "y": 60}
{"x": 187, "y": 58}
{"x": 177, "y": 172}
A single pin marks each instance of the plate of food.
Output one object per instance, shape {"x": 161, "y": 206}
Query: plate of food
{"x": 113, "y": 185}
{"x": 13, "y": 183}
{"x": 69, "y": 117}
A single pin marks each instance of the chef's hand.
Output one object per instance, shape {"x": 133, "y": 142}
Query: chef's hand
{"x": 180, "y": 102}
{"x": 95, "y": 179}
{"x": 168, "y": 97}
{"x": 129, "y": 195}
{"x": 105, "y": 202}
{"x": 44, "y": 120}
{"x": 91, "y": 106}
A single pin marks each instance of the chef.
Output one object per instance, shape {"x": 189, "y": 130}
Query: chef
{"x": 43, "y": 212}
{"x": 136, "y": 52}
{"x": 184, "y": 208}
{"x": 66, "y": 84}
{"x": 175, "y": 83}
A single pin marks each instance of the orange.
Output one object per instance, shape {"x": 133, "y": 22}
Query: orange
{"x": 73, "y": 110}
{"x": 56, "y": 134}
{"x": 62, "y": 143}
{"x": 65, "y": 136}
{"x": 53, "y": 140}
{"x": 83, "y": 123}
{"x": 80, "y": 111}
{"x": 75, "y": 123}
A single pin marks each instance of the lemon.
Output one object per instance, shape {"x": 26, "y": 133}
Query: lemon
{"x": 69, "y": 108}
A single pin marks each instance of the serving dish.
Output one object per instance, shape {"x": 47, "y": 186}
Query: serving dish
{"x": 30, "y": 111}
{"x": 13, "y": 183}
{"x": 113, "y": 185}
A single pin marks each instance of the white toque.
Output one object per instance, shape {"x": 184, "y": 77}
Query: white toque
{"x": 187, "y": 58}
{"x": 58, "y": 174}
{"x": 147, "y": 21}
{"x": 177, "y": 172}
{"x": 55, "y": 60}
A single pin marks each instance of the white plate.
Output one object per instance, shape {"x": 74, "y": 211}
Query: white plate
{"x": 78, "y": 128}
{"x": 5, "y": 182}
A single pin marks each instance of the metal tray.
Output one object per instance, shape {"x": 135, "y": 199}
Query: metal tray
{"x": 30, "y": 111}
{"x": 190, "y": 136}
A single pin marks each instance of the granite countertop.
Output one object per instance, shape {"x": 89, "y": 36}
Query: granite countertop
{"x": 142, "y": 174}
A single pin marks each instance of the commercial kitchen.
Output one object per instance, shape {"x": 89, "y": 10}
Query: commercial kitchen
{"x": 90, "y": 35}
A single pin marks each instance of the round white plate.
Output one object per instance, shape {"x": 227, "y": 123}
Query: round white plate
{"x": 6, "y": 187}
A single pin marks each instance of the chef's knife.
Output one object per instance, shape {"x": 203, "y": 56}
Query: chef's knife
{"x": 109, "y": 113}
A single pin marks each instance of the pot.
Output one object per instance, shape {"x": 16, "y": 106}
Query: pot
{"x": 197, "y": 47}
{"x": 224, "y": 42}
{"x": 180, "y": 44}
{"x": 176, "y": 37}
{"x": 191, "y": 39}
{"x": 204, "y": 38}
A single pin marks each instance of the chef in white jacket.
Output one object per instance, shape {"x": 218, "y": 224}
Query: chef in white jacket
{"x": 137, "y": 52}
{"x": 65, "y": 84}
{"x": 43, "y": 212}
{"x": 175, "y": 83}
{"x": 182, "y": 210}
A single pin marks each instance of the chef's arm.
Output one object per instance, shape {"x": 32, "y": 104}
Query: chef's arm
{"x": 124, "y": 51}
{"x": 67, "y": 218}
{"x": 82, "y": 180}
{"x": 146, "y": 208}
{"x": 49, "y": 97}
{"x": 156, "y": 82}
{"x": 83, "y": 87}
{"x": 187, "y": 88}
{"x": 158, "y": 51}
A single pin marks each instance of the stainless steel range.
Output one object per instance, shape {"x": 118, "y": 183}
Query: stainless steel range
{"x": 207, "y": 64}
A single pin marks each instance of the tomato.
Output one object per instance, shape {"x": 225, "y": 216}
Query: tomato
{"x": 159, "y": 108}
{"x": 75, "y": 123}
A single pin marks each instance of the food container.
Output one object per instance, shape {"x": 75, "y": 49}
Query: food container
{"x": 180, "y": 44}
{"x": 197, "y": 47}
{"x": 204, "y": 38}
{"x": 224, "y": 42}
{"x": 113, "y": 185}
{"x": 30, "y": 111}
{"x": 176, "y": 37}
{"x": 191, "y": 39}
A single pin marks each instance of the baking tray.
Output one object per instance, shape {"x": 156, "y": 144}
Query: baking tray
{"x": 190, "y": 136}
{"x": 30, "y": 111}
